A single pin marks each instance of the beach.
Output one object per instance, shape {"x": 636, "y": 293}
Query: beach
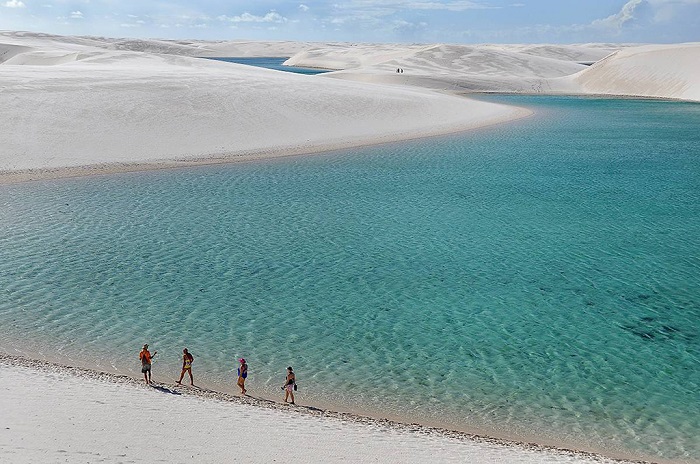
{"x": 76, "y": 106}
{"x": 60, "y": 414}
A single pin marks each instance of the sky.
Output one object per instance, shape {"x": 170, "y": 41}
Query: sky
{"x": 403, "y": 21}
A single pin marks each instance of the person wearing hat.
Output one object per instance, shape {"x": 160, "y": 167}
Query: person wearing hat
{"x": 145, "y": 357}
{"x": 242, "y": 375}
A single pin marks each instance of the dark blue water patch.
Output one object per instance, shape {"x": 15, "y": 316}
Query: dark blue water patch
{"x": 272, "y": 63}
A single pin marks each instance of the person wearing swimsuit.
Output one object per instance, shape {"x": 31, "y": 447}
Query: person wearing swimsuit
{"x": 242, "y": 375}
{"x": 187, "y": 360}
{"x": 145, "y": 357}
{"x": 289, "y": 385}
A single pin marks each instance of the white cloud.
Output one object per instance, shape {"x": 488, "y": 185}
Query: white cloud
{"x": 449, "y": 6}
{"x": 271, "y": 17}
{"x": 667, "y": 10}
{"x": 14, "y": 4}
{"x": 76, "y": 14}
{"x": 617, "y": 20}
{"x": 407, "y": 28}
{"x": 303, "y": 7}
{"x": 397, "y": 5}
{"x": 660, "y": 10}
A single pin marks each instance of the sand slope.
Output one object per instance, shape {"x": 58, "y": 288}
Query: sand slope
{"x": 67, "y": 103}
{"x": 666, "y": 71}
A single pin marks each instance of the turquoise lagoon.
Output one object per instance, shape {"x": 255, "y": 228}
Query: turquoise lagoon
{"x": 272, "y": 63}
{"x": 537, "y": 280}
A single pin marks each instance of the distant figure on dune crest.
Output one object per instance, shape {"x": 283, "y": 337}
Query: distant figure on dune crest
{"x": 242, "y": 375}
{"x": 290, "y": 385}
{"x": 187, "y": 360}
{"x": 145, "y": 357}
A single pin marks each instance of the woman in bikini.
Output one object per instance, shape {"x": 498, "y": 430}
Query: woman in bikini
{"x": 187, "y": 360}
{"x": 242, "y": 375}
{"x": 289, "y": 385}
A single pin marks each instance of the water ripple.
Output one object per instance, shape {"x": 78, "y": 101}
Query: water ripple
{"x": 539, "y": 286}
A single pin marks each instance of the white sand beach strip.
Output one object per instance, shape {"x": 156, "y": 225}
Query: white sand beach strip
{"x": 56, "y": 414}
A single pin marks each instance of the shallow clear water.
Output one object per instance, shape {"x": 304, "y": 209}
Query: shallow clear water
{"x": 537, "y": 279}
{"x": 272, "y": 63}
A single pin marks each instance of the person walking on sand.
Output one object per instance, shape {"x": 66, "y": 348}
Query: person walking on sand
{"x": 145, "y": 357}
{"x": 242, "y": 375}
{"x": 289, "y": 384}
{"x": 187, "y": 360}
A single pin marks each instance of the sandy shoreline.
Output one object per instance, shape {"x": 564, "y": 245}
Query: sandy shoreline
{"x": 38, "y": 174}
{"x": 77, "y": 107}
{"x": 18, "y": 373}
{"x": 72, "y": 106}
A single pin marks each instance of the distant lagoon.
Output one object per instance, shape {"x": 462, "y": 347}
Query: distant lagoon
{"x": 272, "y": 63}
{"x": 538, "y": 279}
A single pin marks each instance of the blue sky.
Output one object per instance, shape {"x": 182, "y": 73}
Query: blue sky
{"x": 424, "y": 21}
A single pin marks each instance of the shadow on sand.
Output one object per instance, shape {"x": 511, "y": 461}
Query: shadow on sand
{"x": 163, "y": 389}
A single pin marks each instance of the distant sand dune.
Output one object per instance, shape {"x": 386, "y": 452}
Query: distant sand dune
{"x": 665, "y": 71}
{"x": 40, "y": 58}
{"x": 457, "y": 68}
{"x": 7, "y": 51}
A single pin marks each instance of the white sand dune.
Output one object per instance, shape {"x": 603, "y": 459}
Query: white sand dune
{"x": 498, "y": 60}
{"x": 475, "y": 68}
{"x": 52, "y": 414}
{"x": 663, "y": 71}
{"x": 221, "y": 48}
{"x": 88, "y": 105}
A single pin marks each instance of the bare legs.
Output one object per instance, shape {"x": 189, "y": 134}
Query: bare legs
{"x": 182, "y": 374}
{"x": 287, "y": 393}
